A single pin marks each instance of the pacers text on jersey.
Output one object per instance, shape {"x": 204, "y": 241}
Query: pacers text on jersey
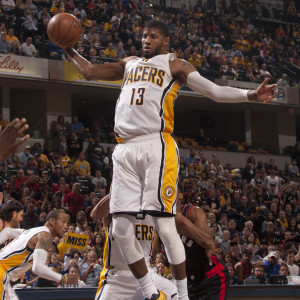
{"x": 146, "y": 74}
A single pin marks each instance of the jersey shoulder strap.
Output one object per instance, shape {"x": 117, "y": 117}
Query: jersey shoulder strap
{"x": 186, "y": 209}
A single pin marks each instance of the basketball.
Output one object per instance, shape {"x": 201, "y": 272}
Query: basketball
{"x": 64, "y": 29}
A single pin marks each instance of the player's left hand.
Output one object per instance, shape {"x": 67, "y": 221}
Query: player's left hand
{"x": 265, "y": 93}
{"x": 9, "y": 137}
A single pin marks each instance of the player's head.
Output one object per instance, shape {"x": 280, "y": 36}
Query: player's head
{"x": 12, "y": 212}
{"x": 155, "y": 38}
{"x": 58, "y": 222}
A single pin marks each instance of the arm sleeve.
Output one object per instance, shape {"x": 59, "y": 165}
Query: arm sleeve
{"x": 215, "y": 92}
{"x": 66, "y": 262}
{"x": 39, "y": 267}
{"x": 9, "y": 233}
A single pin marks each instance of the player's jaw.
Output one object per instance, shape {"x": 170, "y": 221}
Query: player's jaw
{"x": 151, "y": 50}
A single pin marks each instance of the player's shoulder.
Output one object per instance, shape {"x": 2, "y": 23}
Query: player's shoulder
{"x": 128, "y": 59}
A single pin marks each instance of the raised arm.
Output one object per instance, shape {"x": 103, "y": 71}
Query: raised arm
{"x": 9, "y": 137}
{"x": 185, "y": 73}
{"x": 110, "y": 71}
{"x": 40, "y": 254}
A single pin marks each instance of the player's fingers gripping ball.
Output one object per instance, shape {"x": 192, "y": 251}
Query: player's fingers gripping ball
{"x": 64, "y": 29}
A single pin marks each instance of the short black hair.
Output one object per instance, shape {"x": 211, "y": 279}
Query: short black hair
{"x": 161, "y": 26}
{"x": 54, "y": 214}
{"x": 8, "y": 209}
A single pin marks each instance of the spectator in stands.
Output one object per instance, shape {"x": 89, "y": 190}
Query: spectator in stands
{"x": 7, "y": 5}
{"x": 75, "y": 145}
{"x": 79, "y": 10}
{"x": 30, "y": 218}
{"x": 258, "y": 272}
{"x": 271, "y": 265}
{"x": 90, "y": 273}
{"x": 99, "y": 181}
{"x": 281, "y": 223}
{"x": 284, "y": 270}
{"x": 76, "y": 126}
{"x": 225, "y": 242}
{"x": 27, "y": 48}
{"x": 73, "y": 202}
{"x": 32, "y": 7}
{"x": 120, "y": 52}
{"x": 283, "y": 80}
{"x": 244, "y": 267}
{"x": 194, "y": 60}
{"x": 29, "y": 24}
{"x": 190, "y": 158}
{"x": 43, "y": 12}
{"x": 234, "y": 280}
{"x": 13, "y": 40}
{"x": 290, "y": 260}
{"x": 264, "y": 73}
{"x": 4, "y": 44}
{"x": 110, "y": 52}
{"x": 82, "y": 167}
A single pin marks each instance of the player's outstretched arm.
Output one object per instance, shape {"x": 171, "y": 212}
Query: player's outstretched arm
{"x": 40, "y": 257}
{"x": 9, "y": 137}
{"x": 185, "y": 73}
{"x": 110, "y": 71}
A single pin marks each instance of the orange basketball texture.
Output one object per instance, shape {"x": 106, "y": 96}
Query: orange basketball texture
{"x": 64, "y": 29}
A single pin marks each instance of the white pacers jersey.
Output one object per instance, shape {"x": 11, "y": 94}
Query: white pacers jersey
{"x": 145, "y": 104}
{"x": 144, "y": 232}
{"x": 16, "y": 257}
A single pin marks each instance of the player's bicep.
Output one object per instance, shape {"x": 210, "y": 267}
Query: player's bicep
{"x": 44, "y": 241}
{"x": 198, "y": 217}
{"x": 180, "y": 69}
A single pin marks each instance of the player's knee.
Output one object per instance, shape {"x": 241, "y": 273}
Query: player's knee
{"x": 122, "y": 228}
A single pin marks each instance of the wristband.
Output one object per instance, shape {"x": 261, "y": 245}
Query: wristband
{"x": 65, "y": 279}
{"x": 252, "y": 96}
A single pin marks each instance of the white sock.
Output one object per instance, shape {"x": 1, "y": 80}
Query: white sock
{"x": 147, "y": 286}
{"x": 182, "y": 293}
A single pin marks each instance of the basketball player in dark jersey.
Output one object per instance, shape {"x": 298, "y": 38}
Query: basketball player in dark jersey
{"x": 207, "y": 277}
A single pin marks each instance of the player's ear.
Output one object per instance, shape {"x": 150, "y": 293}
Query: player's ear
{"x": 166, "y": 41}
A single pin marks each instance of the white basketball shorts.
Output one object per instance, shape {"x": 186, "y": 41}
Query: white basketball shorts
{"x": 145, "y": 176}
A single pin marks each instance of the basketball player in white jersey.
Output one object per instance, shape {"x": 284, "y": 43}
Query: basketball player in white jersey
{"x": 117, "y": 281}
{"x": 11, "y": 214}
{"x": 28, "y": 250}
{"x": 146, "y": 159}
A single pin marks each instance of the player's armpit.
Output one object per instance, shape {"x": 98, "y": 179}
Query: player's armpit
{"x": 180, "y": 69}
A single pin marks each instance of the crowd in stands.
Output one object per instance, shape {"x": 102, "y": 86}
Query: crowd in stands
{"x": 220, "y": 38}
{"x": 253, "y": 213}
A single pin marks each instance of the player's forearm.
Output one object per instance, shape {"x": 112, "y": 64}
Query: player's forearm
{"x": 110, "y": 71}
{"x": 101, "y": 210}
{"x": 218, "y": 93}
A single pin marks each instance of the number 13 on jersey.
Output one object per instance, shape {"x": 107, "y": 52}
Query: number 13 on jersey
{"x": 140, "y": 94}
